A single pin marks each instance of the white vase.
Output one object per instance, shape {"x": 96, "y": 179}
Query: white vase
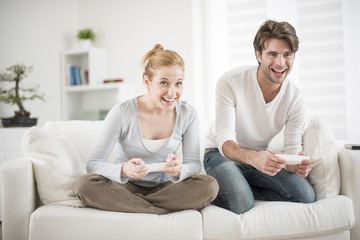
{"x": 84, "y": 43}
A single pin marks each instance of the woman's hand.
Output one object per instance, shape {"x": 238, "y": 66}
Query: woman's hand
{"x": 173, "y": 166}
{"x": 134, "y": 168}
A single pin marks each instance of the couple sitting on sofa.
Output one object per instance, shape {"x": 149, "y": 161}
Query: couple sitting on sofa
{"x": 253, "y": 104}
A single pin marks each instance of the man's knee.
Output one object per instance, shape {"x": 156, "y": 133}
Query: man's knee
{"x": 239, "y": 203}
{"x": 307, "y": 194}
{"x": 240, "y": 209}
{"x": 301, "y": 190}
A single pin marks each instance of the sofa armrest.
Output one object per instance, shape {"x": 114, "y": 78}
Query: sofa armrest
{"x": 18, "y": 198}
{"x": 349, "y": 162}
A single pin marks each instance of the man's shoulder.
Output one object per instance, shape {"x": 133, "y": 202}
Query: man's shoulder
{"x": 292, "y": 88}
{"x": 239, "y": 73}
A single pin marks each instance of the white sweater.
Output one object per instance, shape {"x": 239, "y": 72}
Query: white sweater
{"x": 243, "y": 116}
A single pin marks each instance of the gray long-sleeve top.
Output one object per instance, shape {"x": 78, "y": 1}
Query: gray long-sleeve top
{"x": 121, "y": 126}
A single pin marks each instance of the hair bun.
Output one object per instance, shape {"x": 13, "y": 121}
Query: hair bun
{"x": 158, "y": 57}
{"x": 158, "y": 47}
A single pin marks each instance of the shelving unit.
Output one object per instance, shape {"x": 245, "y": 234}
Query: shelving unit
{"x": 95, "y": 60}
{"x": 92, "y": 101}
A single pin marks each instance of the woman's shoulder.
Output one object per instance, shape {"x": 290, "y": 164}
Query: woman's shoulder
{"x": 125, "y": 108}
{"x": 127, "y": 105}
{"x": 186, "y": 107}
{"x": 186, "y": 111}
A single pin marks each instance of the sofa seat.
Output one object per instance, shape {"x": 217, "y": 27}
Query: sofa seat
{"x": 26, "y": 216}
{"x": 58, "y": 222}
{"x": 325, "y": 219}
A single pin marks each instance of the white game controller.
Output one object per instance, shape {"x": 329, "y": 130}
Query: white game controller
{"x": 293, "y": 159}
{"x": 155, "y": 167}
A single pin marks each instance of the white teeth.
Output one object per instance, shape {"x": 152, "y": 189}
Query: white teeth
{"x": 169, "y": 100}
{"x": 279, "y": 71}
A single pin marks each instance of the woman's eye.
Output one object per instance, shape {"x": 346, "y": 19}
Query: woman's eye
{"x": 163, "y": 83}
{"x": 178, "y": 83}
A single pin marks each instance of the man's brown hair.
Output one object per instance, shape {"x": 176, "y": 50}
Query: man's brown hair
{"x": 278, "y": 30}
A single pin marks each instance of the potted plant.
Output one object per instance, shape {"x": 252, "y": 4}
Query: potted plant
{"x": 16, "y": 95}
{"x": 85, "y": 37}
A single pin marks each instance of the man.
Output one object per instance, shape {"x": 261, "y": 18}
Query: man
{"x": 253, "y": 104}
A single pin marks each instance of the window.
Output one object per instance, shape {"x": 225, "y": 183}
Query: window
{"x": 244, "y": 19}
{"x": 319, "y": 66}
{"x": 321, "y": 61}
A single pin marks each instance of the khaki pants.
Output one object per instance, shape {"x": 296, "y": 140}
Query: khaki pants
{"x": 194, "y": 192}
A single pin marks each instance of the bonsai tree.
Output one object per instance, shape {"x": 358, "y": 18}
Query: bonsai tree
{"x": 86, "y": 33}
{"x": 16, "y": 94}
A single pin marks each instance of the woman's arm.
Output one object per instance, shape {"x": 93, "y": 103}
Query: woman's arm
{"x": 109, "y": 135}
{"x": 190, "y": 148}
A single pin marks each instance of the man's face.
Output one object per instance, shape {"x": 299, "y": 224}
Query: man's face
{"x": 276, "y": 61}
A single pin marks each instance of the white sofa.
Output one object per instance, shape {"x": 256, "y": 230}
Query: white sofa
{"x": 26, "y": 217}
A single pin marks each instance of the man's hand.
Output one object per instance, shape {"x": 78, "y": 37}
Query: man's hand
{"x": 173, "y": 166}
{"x": 134, "y": 168}
{"x": 303, "y": 169}
{"x": 266, "y": 162}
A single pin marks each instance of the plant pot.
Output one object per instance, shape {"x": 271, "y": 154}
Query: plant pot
{"x": 18, "y": 122}
{"x": 84, "y": 43}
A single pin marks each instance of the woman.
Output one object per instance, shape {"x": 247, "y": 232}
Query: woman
{"x": 149, "y": 129}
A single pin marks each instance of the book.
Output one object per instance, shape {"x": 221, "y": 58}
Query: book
{"x": 77, "y": 75}
{"x": 83, "y": 78}
{"x": 113, "y": 80}
{"x": 71, "y": 75}
{"x": 86, "y": 73}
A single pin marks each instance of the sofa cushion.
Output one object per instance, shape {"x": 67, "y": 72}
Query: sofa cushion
{"x": 320, "y": 144}
{"x": 63, "y": 222}
{"x": 56, "y": 162}
{"x": 281, "y": 220}
{"x": 83, "y": 135}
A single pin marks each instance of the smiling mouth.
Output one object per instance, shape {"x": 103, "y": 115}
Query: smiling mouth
{"x": 278, "y": 71}
{"x": 169, "y": 100}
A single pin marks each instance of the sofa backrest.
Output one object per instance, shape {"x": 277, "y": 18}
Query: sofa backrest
{"x": 83, "y": 134}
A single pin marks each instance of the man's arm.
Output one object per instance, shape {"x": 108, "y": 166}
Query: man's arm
{"x": 264, "y": 161}
{"x": 293, "y": 137}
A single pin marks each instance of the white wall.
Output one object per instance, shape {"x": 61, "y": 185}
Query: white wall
{"x": 36, "y": 31}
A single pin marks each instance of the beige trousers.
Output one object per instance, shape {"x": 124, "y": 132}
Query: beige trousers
{"x": 194, "y": 192}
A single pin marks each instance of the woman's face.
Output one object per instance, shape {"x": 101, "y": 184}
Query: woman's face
{"x": 166, "y": 86}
